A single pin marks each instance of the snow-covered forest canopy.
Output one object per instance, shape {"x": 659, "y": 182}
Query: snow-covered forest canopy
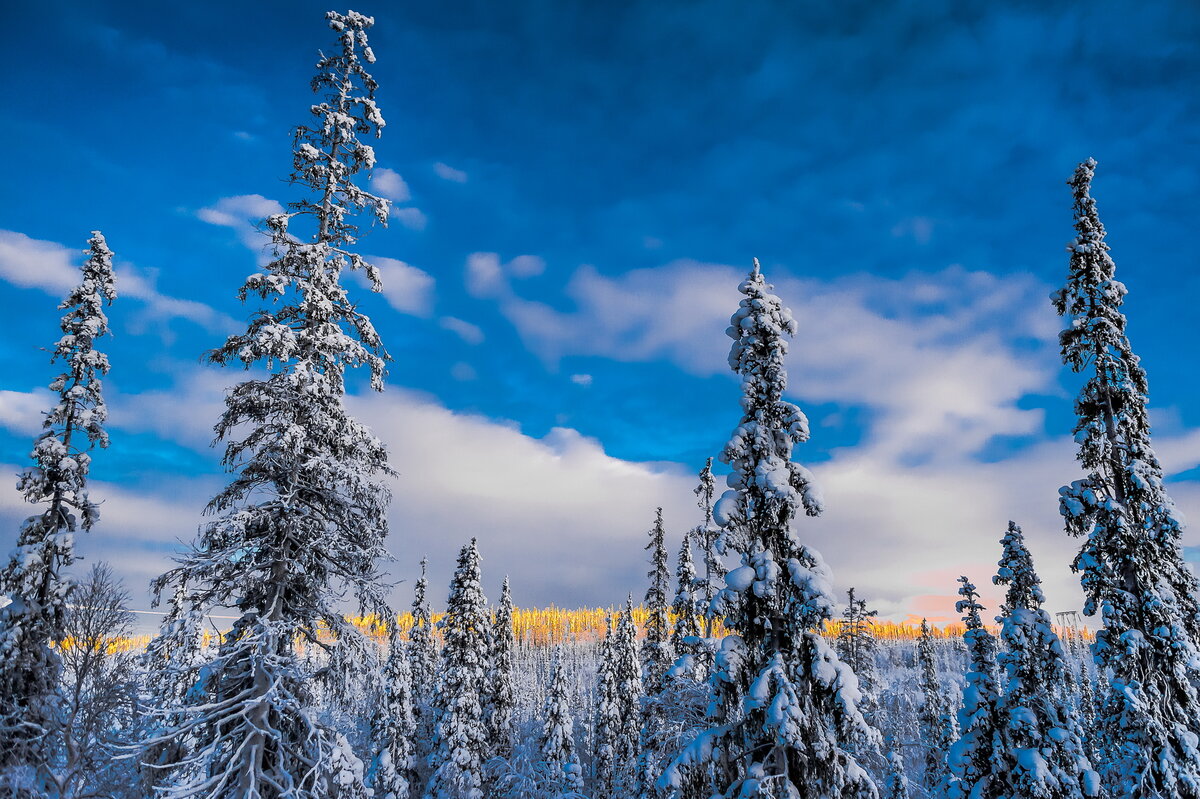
{"x": 740, "y": 666}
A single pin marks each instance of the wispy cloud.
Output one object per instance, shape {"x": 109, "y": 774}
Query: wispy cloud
{"x": 447, "y": 172}
{"x": 244, "y": 213}
{"x": 470, "y": 333}
{"x": 53, "y": 268}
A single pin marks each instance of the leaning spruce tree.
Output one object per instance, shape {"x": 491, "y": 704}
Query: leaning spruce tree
{"x": 302, "y": 524}
{"x": 1041, "y": 753}
{"x": 460, "y": 738}
{"x": 974, "y": 759}
{"x": 1131, "y": 564}
{"x": 785, "y": 705}
{"x": 37, "y": 590}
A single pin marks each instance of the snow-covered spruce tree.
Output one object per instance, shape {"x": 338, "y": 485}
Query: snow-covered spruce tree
{"x": 627, "y": 678}
{"x": 1041, "y": 754}
{"x": 656, "y": 651}
{"x": 31, "y": 622}
{"x": 785, "y": 705}
{"x": 975, "y": 758}
{"x": 937, "y": 726}
{"x": 1132, "y": 568}
{"x": 607, "y": 721}
{"x": 856, "y": 646}
{"x": 422, "y": 653}
{"x": 460, "y": 744}
{"x": 708, "y": 536}
{"x": 303, "y": 521}
{"x": 687, "y": 623}
{"x": 564, "y": 776}
{"x": 392, "y": 773}
{"x": 501, "y": 687}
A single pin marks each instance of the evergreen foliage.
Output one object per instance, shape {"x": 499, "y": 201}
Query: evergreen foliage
{"x": 975, "y": 757}
{"x": 558, "y": 736}
{"x": 935, "y": 722}
{"x": 392, "y": 773}
{"x": 784, "y": 705}
{"x": 708, "y": 535}
{"x": 856, "y": 646}
{"x": 33, "y": 581}
{"x": 460, "y": 737}
{"x": 501, "y": 693}
{"x": 303, "y": 521}
{"x": 1131, "y": 565}
{"x": 1041, "y": 754}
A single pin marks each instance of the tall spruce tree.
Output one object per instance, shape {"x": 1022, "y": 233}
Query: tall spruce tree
{"x": 708, "y": 536}
{"x": 564, "y": 776}
{"x": 501, "y": 687}
{"x": 422, "y": 653}
{"x": 607, "y": 723}
{"x": 687, "y": 623}
{"x": 785, "y": 705}
{"x": 1040, "y": 754}
{"x": 303, "y": 521}
{"x": 656, "y": 651}
{"x": 975, "y": 758}
{"x": 1132, "y": 569}
{"x": 392, "y": 773}
{"x": 934, "y": 720}
{"x": 627, "y": 677}
{"x": 460, "y": 738}
{"x": 33, "y": 581}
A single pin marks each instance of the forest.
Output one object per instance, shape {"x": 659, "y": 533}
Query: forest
{"x": 738, "y": 673}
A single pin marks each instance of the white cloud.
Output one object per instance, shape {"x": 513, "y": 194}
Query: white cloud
{"x": 411, "y": 218}
{"x": 388, "y": 183}
{"x": 487, "y": 277}
{"x": 945, "y": 374}
{"x": 525, "y": 266}
{"x": 52, "y": 268}
{"x": 567, "y": 521}
{"x": 447, "y": 172}
{"x": 406, "y": 288}
{"x": 31, "y": 263}
{"x": 484, "y": 276}
{"x": 471, "y": 334}
{"x": 22, "y": 412}
{"x": 581, "y": 380}
{"x": 244, "y": 213}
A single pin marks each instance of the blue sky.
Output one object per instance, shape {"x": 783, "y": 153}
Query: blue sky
{"x": 580, "y": 186}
